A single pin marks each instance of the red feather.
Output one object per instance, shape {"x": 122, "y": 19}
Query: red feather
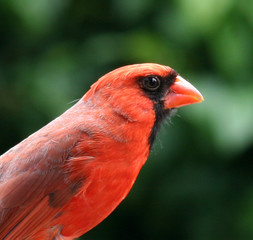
{"x": 70, "y": 175}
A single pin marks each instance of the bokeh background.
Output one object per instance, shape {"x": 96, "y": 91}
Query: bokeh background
{"x": 197, "y": 183}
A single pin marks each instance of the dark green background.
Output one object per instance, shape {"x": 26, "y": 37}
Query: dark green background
{"x": 197, "y": 184}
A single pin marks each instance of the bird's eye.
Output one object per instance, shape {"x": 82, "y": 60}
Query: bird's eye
{"x": 151, "y": 83}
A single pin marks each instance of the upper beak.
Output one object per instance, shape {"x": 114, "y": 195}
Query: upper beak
{"x": 181, "y": 93}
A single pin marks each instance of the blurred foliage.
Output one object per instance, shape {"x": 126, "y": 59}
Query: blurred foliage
{"x": 197, "y": 184}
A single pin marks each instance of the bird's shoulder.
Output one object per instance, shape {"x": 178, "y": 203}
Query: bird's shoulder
{"x": 33, "y": 180}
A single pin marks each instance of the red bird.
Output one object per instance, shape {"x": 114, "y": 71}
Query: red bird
{"x": 66, "y": 178}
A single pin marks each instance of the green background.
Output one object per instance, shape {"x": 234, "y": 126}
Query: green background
{"x": 197, "y": 183}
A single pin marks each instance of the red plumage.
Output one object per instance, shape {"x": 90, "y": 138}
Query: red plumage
{"x": 70, "y": 175}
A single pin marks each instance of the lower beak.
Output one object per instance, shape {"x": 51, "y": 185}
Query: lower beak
{"x": 181, "y": 93}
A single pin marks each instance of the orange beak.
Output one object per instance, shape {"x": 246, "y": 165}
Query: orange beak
{"x": 182, "y": 93}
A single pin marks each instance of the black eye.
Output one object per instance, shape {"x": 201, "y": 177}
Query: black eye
{"x": 151, "y": 83}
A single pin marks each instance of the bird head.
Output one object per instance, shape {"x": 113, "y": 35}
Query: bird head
{"x": 143, "y": 93}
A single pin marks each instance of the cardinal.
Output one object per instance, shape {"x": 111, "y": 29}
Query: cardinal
{"x": 67, "y": 177}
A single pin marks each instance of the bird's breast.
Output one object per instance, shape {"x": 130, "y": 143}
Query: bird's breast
{"x": 109, "y": 176}
{"x": 103, "y": 190}
{"x": 109, "y": 156}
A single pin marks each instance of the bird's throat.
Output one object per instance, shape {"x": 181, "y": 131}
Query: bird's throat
{"x": 161, "y": 115}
